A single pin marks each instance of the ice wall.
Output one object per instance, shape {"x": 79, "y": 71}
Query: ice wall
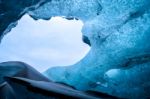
{"x": 118, "y": 32}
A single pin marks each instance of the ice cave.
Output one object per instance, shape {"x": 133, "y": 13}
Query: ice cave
{"x": 116, "y": 66}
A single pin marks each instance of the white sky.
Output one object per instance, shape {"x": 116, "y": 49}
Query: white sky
{"x": 43, "y": 44}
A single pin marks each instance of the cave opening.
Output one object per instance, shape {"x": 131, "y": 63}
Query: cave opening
{"x": 44, "y": 43}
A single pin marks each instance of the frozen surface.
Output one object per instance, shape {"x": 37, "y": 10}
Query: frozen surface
{"x": 118, "y": 32}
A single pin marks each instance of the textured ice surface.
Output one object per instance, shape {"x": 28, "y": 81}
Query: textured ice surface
{"x": 119, "y": 32}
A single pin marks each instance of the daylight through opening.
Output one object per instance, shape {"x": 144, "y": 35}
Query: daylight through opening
{"x": 44, "y": 44}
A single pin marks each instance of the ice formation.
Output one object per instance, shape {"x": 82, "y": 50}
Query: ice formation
{"x": 118, "y": 32}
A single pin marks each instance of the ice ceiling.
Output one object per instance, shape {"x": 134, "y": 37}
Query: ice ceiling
{"x": 44, "y": 44}
{"x": 118, "y": 32}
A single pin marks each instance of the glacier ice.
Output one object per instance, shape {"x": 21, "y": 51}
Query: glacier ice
{"x": 118, "y": 32}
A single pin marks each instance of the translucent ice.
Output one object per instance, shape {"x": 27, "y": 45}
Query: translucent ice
{"x": 118, "y": 32}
